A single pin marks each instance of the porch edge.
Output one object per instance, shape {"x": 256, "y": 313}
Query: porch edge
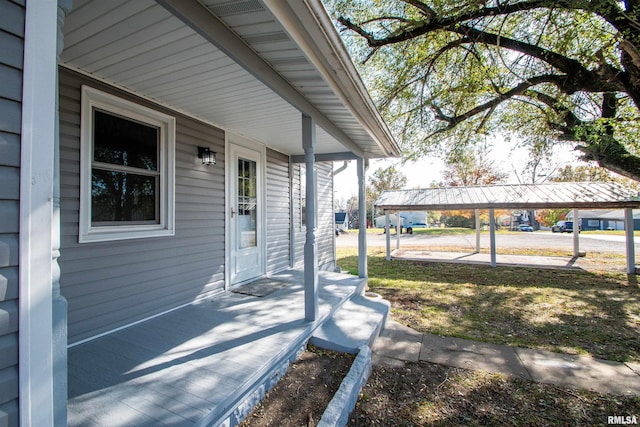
{"x": 344, "y": 401}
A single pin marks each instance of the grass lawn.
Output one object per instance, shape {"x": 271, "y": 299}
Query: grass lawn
{"x": 593, "y": 313}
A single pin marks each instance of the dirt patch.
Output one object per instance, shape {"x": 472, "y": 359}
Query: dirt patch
{"x": 303, "y": 393}
{"x": 421, "y": 394}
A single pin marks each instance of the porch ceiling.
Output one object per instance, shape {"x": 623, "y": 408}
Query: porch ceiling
{"x": 148, "y": 50}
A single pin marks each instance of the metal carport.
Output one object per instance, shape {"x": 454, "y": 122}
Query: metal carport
{"x": 556, "y": 195}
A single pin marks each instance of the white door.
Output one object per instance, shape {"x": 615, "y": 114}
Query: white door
{"x": 246, "y": 214}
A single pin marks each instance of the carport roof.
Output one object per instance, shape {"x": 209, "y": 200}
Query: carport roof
{"x": 573, "y": 195}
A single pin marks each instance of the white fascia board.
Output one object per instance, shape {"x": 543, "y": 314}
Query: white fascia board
{"x": 309, "y": 25}
{"x": 36, "y": 214}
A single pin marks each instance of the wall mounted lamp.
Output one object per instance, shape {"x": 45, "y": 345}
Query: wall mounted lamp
{"x": 208, "y": 157}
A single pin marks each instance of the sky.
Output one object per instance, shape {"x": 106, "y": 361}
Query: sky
{"x": 421, "y": 173}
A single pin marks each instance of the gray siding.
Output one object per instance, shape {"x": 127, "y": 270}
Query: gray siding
{"x": 278, "y": 212}
{"x": 326, "y": 228}
{"x": 326, "y": 220}
{"x": 11, "y": 54}
{"x": 111, "y": 284}
{"x": 325, "y": 238}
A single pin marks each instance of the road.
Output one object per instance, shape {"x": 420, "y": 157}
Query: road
{"x": 538, "y": 239}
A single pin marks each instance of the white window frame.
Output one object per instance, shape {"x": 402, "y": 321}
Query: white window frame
{"x": 93, "y": 98}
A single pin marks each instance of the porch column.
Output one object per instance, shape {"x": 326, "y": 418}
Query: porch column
{"x": 477, "y": 213}
{"x": 628, "y": 231}
{"x": 362, "y": 214}
{"x": 492, "y": 236}
{"x": 310, "y": 245}
{"x": 42, "y": 340}
{"x": 576, "y": 234}
{"x": 59, "y": 306}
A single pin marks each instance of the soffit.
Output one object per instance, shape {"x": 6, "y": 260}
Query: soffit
{"x": 587, "y": 195}
{"x": 142, "y": 47}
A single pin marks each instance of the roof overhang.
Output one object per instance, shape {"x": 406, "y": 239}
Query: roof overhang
{"x": 570, "y": 195}
{"x": 251, "y": 67}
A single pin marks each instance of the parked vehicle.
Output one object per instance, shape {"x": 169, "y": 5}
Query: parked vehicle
{"x": 563, "y": 227}
{"x": 525, "y": 227}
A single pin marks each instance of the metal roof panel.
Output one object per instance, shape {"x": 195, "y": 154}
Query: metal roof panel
{"x": 587, "y": 195}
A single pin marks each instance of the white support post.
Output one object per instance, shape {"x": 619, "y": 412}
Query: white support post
{"x": 477, "y": 213}
{"x": 492, "y": 236}
{"x": 628, "y": 230}
{"x": 59, "y": 303}
{"x": 310, "y": 245}
{"x": 362, "y": 214}
{"x": 387, "y": 227}
{"x": 398, "y": 228}
{"x": 42, "y": 332}
{"x": 576, "y": 234}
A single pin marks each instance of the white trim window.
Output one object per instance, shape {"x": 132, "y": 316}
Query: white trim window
{"x": 127, "y": 170}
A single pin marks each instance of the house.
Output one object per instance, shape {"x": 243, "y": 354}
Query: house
{"x": 606, "y": 219}
{"x": 155, "y": 153}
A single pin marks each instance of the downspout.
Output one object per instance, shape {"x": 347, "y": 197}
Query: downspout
{"x": 362, "y": 215}
{"x": 341, "y": 168}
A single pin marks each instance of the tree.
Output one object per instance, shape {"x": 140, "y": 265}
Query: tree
{"x": 592, "y": 174}
{"x": 445, "y": 71}
{"x": 570, "y": 173}
{"x": 549, "y": 217}
{"x": 470, "y": 166}
{"x": 388, "y": 178}
{"x": 353, "y": 213}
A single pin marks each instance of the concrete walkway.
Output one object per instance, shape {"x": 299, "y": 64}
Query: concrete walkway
{"x": 485, "y": 258}
{"x": 398, "y": 344}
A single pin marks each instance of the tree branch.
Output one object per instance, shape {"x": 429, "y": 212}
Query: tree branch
{"x": 606, "y": 78}
{"x": 424, "y": 9}
{"x": 581, "y": 77}
{"x": 520, "y": 89}
{"x": 614, "y": 17}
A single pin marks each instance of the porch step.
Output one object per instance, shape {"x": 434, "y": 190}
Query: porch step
{"x": 358, "y": 322}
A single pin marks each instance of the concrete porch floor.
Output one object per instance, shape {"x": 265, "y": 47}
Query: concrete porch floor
{"x": 194, "y": 365}
{"x": 485, "y": 258}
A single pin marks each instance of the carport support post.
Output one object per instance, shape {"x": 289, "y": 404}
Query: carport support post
{"x": 310, "y": 245}
{"x": 628, "y": 231}
{"x": 477, "y": 212}
{"x": 492, "y": 236}
{"x": 387, "y": 225}
{"x": 576, "y": 234}
{"x": 398, "y": 228}
{"x": 362, "y": 223}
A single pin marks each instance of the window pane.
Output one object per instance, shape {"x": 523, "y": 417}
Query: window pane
{"x": 247, "y": 199}
{"x": 125, "y": 142}
{"x": 120, "y": 196}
